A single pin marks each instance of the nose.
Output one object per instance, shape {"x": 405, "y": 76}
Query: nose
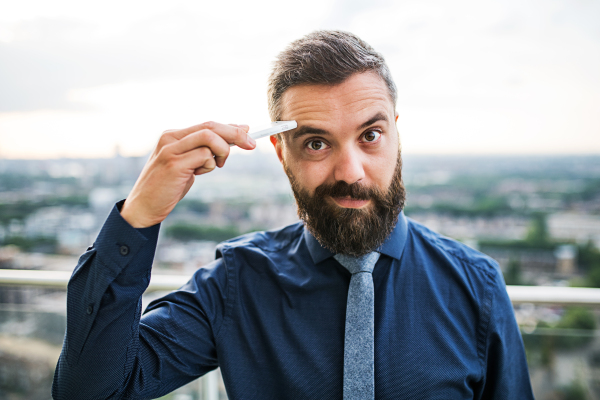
{"x": 349, "y": 166}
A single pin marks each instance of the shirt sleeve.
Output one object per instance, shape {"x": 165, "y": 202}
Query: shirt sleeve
{"x": 107, "y": 351}
{"x": 505, "y": 367}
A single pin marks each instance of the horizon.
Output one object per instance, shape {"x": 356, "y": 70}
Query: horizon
{"x": 251, "y": 153}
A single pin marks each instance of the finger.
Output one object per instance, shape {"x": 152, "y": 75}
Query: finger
{"x": 166, "y": 138}
{"x": 243, "y": 126}
{"x": 181, "y": 133}
{"x": 204, "y": 138}
{"x": 231, "y": 134}
{"x": 236, "y": 135}
{"x": 200, "y": 158}
{"x": 208, "y": 166}
{"x": 202, "y": 170}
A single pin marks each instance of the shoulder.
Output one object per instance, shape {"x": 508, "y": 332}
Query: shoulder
{"x": 263, "y": 241}
{"x": 436, "y": 245}
{"x": 251, "y": 248}
{"x": 446, "y": 260}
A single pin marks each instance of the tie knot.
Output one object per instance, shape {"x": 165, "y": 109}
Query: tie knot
{"x": 353, "y": 264}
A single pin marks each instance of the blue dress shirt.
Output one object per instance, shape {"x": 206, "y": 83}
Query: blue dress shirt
{"x": 270, "y": 312}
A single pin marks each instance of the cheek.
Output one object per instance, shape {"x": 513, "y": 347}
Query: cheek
{"x": 310, "y": 174}
{"x": 313, "y": 174}
{"x": 381, "y": 169}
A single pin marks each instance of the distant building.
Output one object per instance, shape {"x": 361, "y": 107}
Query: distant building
{"x": 566, "y": 257}
{"x": 537, "y": 265}
{"x": 580, "y": 228}
{"x": 475, "y": 228}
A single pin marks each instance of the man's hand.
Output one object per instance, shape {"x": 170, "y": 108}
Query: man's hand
{"x": 178, "y": 157}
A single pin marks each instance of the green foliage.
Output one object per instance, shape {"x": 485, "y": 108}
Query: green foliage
{"x": 593, "y": 278}
{"x": 576, "y": 318}
{"x": 538, "y": 231}
{"x": 16, "y": 181}
{"x": 547, "y": 351}
{"x": 37, "y": 244}
{"x": 537, "y": 239}
{"x": 589, "y": 192}
{"x": 22, "y": 209}
{"x": 76, "y": 200}
{"x": 540, "y": 348}
{"x": 186, "y": 232}
{"x": 574, "y": 391}
{"x": 196, "y": 206}
{"x": 588, "y": 256}
{"x": 512, "y": 276}
{"x": 16, "y": 211}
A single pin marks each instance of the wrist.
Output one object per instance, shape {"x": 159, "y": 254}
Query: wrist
{"x": 128, "y": 214}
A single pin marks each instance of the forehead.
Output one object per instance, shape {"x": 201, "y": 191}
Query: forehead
{"x": 360, "y": 94}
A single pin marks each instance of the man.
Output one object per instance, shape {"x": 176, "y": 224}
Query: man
{"x": 295, "y": 313}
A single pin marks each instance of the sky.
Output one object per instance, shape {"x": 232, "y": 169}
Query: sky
{"x": 81, "y": 79}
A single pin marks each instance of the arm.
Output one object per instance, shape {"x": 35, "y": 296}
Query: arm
{"x": 505, "y": 369}
{"x": 101, "y": 316}
{"x": 107, "y": 352}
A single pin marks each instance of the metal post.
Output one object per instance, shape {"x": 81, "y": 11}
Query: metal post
{"x": 210, "y": 384}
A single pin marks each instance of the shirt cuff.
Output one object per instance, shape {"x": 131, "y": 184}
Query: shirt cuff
{"x": 118, "y": 243}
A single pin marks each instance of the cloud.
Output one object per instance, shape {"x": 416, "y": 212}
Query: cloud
{"x": 43, "y": 59}
{"x": 495, "y": 70}
{"x": 47, "y": 59}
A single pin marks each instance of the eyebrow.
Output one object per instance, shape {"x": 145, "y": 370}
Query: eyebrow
{"x": 311, "y": 130}
{"x": 376, "y": 118}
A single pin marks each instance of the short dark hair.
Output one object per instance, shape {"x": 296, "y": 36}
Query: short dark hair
{"x": 323, "y": 57}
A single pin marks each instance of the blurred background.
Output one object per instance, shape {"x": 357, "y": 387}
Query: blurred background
{"x": 499, "y": 105}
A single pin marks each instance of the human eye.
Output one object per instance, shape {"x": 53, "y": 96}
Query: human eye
{"x": 316, "y": 145}
{"x": 371, "y": 136}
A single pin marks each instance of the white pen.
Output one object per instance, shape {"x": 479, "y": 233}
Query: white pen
{"x": 272, "y": 129}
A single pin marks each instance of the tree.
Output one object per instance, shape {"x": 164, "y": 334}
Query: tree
{"x": 579, "y": 318}
{"x": 538, "y": 231}
{"x": 512, "y": 276}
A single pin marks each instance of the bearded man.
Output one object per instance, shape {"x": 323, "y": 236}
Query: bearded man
{"x": 355, "y": 301}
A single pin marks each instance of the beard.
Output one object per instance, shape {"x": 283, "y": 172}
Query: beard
{"x": 351, "y": 231}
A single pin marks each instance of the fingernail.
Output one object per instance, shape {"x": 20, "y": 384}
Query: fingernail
{"x": 251, "y": 141}
{"x": 245, "y": 127}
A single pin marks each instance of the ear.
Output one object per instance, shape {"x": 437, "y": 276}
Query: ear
{"x": 278, "y": 147}
{"x": 396, "y": 126}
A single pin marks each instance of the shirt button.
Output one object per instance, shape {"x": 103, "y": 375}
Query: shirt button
{"x": 124, "y": 250}
{"x": 90, "y": 309}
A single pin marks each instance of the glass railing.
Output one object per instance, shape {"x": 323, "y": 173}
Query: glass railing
{"x": 558, "y": 324}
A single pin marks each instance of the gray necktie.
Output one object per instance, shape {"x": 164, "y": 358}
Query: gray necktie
{"x": 359, "y": 346}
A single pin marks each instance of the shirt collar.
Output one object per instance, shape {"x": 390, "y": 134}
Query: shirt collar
{"x": 392, "y": 247}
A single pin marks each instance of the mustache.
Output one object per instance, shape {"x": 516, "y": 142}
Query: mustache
{"x": 355, "y": 191}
